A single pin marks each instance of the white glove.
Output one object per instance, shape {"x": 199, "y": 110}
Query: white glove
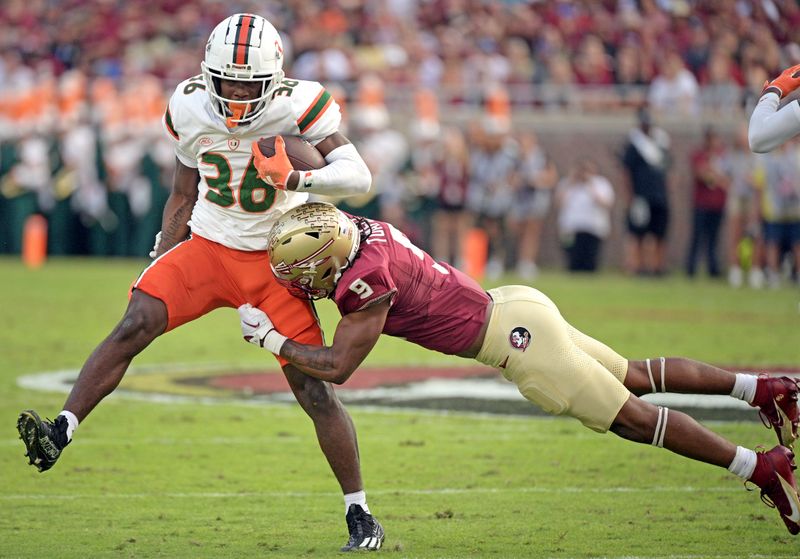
{"x": 258, "y": 329}
{"x": 155, "y": 246}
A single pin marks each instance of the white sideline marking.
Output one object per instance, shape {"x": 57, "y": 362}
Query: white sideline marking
{"x": 442, "y": 491}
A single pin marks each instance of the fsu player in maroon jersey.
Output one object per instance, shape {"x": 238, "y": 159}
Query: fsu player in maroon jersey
{"x": 382, "y": 283}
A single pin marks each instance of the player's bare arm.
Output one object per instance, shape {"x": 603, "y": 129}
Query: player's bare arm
{"x": 178, "y": 209}
{"x": 335, "y": 140}
{"x": 355, "y": 336}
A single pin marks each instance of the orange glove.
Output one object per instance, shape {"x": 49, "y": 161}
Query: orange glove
{"x": 783, "y": 85}
{"x": 273, "y": 170}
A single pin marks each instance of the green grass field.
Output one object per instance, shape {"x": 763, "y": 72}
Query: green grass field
{"x": 241, "y": 480}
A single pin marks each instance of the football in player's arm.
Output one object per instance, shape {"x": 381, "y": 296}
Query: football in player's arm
{"x": 382, "y": 283}
{"x": 209, "y": 254}
{"x": 770, "y": 126}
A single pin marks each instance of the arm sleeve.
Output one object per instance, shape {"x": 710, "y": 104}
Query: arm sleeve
{"x": 346, "y": 174}
{"x": 770, "y": 127}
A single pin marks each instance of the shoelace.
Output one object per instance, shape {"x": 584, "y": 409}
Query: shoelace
{"x": 362, "y": 520}
{"x": 766, "y": 500}
{"x": 58, "y": 431}
{"x": 356, "y": 533}
{"x": 766, "y": 420}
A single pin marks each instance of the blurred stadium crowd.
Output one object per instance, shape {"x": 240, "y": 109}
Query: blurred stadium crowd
{"x": 433, "y": 92}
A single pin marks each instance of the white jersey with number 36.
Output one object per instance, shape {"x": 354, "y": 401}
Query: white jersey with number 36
{"x": 234, "y": 207}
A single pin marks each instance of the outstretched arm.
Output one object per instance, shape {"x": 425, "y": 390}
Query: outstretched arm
{"x": 770, "y": 127}
{"x": 355, "y": 336}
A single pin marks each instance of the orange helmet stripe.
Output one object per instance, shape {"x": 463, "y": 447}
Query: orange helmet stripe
{"x": 241, "y": 49}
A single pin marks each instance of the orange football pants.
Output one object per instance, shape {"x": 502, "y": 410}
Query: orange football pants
{"x": 198, "y": 276}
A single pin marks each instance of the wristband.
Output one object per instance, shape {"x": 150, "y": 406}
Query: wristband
{"x": 273, "y": 341}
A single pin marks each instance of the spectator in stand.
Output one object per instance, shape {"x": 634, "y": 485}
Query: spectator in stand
{"x": 454, "y": 75}
{"x": 594, "y": 72}
{"x": 698, "y": 50}
{"x": 711, "y": 182}
{"x": 584, "y": 200}
{"x": 592, "y": 64}
{"x": 720, "y": 88}
{"x": 332, "y": 62}
{"x": 629, "y": 78}
{"x": 384, "y": 149}
{"x": 674, "y": 91}
{"x": 755, "y": 76}
{"x": 559, "y": 91}
{"x": 538, "y": 177}
{"x": 646, "y": 159}
{"x": 523, "y": 71}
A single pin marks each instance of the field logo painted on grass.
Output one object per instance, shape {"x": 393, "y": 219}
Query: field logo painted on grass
{"x": 475, "y": 389}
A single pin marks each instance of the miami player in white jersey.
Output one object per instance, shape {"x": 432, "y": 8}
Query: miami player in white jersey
{"x": 770, "y": 126}
{"x": 211, "y": 250}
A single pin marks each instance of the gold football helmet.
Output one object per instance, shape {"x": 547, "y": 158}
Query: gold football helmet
{"x": 309, "y": 248}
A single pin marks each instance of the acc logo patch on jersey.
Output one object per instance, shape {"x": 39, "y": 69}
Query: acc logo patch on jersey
{"x": 519, "y": 338}
{"x": 233, "y": 143}
{"x": 205, "y": 141}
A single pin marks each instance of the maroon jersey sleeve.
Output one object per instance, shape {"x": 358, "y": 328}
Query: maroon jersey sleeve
{"x": 433, "y": 304}
{"x": 364, "y": 286}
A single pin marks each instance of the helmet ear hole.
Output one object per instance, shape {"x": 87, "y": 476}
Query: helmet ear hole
{"x": 327, "y": 273}
{"x": 314, "y": 234}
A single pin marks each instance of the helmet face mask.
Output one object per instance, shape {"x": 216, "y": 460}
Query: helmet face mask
{"x": 309, "y": 248}
{"x": 243, "y": 47}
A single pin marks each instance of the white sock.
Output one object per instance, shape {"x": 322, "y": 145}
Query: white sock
{"x": 744, "y": 463}
{"x": 72, "y": 422}
{"x": 357, "y": 498}
{"x": 745, "y": 387}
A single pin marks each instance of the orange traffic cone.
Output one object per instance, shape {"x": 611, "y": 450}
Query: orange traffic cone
{"x": 34, "y": 241}
{"x": 475, "y": 253}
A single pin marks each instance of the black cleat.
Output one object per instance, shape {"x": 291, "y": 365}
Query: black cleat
{"x": 366, "y": 533}
{"x": 44, "y": 440}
